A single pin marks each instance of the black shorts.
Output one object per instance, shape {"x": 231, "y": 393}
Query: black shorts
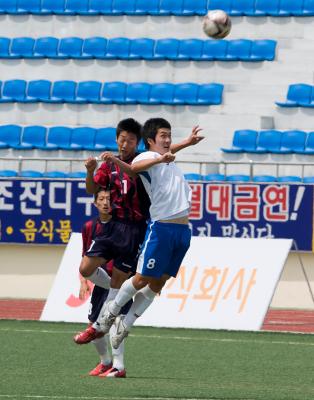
{"x": 120, "y": 242}
{"x": 99, "y": 296}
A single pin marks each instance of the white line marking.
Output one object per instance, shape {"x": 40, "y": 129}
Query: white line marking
{"x": 167, "y": 337}
{"x": 29, "y": 396}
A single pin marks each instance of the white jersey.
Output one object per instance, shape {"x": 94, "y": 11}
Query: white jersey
{"x": 169, "y": 193}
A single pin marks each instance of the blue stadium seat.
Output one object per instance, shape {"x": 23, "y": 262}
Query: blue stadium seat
{"x": 210, "y": 94}
{"x": 73, "y": 7}
{"x": 238, "y": 178}
{"x": 141, "y": 146}
{"x": 306, "y": 179}
{"x": 266, "y": 7}
{"x": 194, "y": 7}
{"x": 37, "y": 91}
{"x": 166, "y": 49}
{"x": 118, "y": 48}
{"x": 161, "y": 93}
{"x": 46, "y": 47}
{"x": 144, "y": 7}
{"x": 58, "y": 137}
{"x": 214, "y": 177}
{"x": 29, "y": 173}
{"x": 193, "y": 177}
{"x": 190, "y": 49}
{"x": 63, "y": 92}
{"x": 244, "y": 140}
{"x": 28, "y": 6}
{"x": 308, "y": 8}
{"x": 113, "y": 92}
{"x": 88, "y": 92}
{"x": 22, "y": 47}
{"x": 82, "y": 138}
{"x": 264, "y": 178}
{"x": 10, "y": 135}
{"x": 80, "y": 175}
{"x": 185, "y": 93}
{"x": 299, "y": 94}
{"x": 8, "y": 6}
{"x": 4, "y": 47}
{"x": 238, "y": 50}
{"x": 269, "y": 141}
{"x": 292, "y": 141}
{"x": 13, "y": 91}
{"x": 289, "y": 178}
{"x": 137, "y": 93}
{"x": 55, "y": 174}
{"x": 33, "y": 136}
{"x": 8, "y": 173}
{"x": 52, "y": 7}
{"x": 170, "y": 7}
{"x": 141, "y": 48}
{"x": 70, "y": 47}
{"x": 220, "y": 5}
{"x": 94, "y": 47}
{"x": 242, "y": 7}
{"x": 120, "y": 7}
{"x": 309, "y": 145}
{"x": 214, "y": 50}
{"x": 288, "y": 8}
{"x": 105, "y": 139}
{"x": 263, "y": 50}
{"x": 103, "y": 7}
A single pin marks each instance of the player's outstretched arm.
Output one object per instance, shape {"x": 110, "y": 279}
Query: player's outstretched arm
{"x": 191, "y": 140}
{"x": 90, "y": 165}
{"x": 141, "y": 165}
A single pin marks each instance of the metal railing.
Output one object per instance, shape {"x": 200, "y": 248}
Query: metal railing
{"x": 221, "y": 165}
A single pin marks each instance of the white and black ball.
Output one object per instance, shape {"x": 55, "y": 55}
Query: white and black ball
{"x": 217, "y": 24}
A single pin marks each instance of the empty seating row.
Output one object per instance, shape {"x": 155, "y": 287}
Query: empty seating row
{"x": 68, "y": 91}
{"x": 157, "y": 7}
{"x": 29, "y": 173}
{"x": 136, "y": 49}
{"x": 248, "y": 178}
{"x": 299, "y": 95}
{"x": 272, "y": 141}
{"x": 58, "y": 138}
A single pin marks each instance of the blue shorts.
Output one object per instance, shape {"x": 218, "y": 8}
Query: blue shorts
{"x": 164, "y": 248}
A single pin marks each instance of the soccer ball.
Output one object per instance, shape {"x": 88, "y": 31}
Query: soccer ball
{"x": 217, "y": 24}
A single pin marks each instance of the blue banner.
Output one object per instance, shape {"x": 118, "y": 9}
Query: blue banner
{"x": 47, "y": 211}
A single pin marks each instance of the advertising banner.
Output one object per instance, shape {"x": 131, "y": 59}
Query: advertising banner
{"x": 222, "y": 284}
{"x": 47, "y": 211}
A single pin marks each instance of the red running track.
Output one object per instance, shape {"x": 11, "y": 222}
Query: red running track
{"x": 276, "y": 320}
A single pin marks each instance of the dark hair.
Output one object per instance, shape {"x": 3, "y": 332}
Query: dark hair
{"x": 151, "y": 127}
{"x": 131, "y": 126}
{"x": 101, "y": 189}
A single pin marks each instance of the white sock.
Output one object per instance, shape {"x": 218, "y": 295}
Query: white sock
{"x": 102, "y": 346}
{"x": 142, "y": 300}
{"x": 126, "y": 292}
{"x": 117, "y": 354}
{"x": 100, "y": 278}
{"x": 112, "y": 294}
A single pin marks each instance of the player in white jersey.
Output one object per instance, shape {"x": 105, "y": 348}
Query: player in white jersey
{"x": 168, "y": 234}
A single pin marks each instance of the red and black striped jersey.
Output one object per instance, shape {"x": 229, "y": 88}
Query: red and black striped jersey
{"x": 129, "y": 200}
{"x": 90, "y": 230}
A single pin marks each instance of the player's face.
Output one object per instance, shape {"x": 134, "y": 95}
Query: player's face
{"x": 162, "y": 141}
{"x": 127, "y": 144}
{"x": 103, "y": 203}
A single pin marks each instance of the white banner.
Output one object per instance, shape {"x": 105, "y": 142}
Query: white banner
{"x": 222, "y": 284}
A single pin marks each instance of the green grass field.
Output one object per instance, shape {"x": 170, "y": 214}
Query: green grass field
{"x": 40, "y": 361}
